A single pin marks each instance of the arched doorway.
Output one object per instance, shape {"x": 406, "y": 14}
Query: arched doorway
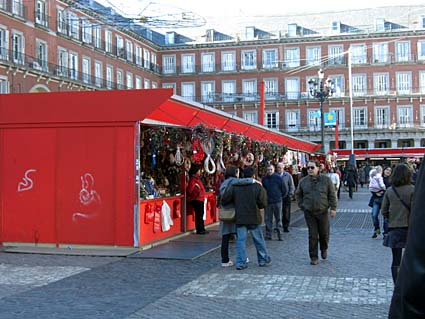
{"x": 38, "y": 88}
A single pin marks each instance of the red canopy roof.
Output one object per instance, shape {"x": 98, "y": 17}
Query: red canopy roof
{"x": 180, "y": 112}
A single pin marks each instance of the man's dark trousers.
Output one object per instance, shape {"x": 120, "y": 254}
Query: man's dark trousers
{"x": 286, "y": 212}
{"x": 318, "y": 232}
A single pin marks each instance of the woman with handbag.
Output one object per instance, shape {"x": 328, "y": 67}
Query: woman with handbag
{"x": 396, "y": 206}
{"x": 228, "y": 227}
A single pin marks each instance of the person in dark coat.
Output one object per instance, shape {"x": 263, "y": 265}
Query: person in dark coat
{"x": 407, "y": 300}
{"x": 350, "y": 179}
{"x": 248, "y": 199}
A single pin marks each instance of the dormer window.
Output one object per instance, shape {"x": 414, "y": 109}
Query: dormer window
{"x": 379, "y": 24}
{"x": 250, "y": 33}
{"x": 422, "y": 22}
{"x": 170, "y": 37}
{"x": 292, "y": 29}
{"x": 336, "y": 27}
{"x": 210, "y": 35}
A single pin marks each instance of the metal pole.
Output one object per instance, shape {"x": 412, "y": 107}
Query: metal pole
{"x": 322, "y": 119}
{"x": 351, "y": 101}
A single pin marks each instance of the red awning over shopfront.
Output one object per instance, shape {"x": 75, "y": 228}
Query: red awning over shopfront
{"x": 381, "y": 153}
{"x": 180, "y": 112}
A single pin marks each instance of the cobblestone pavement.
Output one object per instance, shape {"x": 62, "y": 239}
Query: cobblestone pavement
{"x": 354, "y": 282}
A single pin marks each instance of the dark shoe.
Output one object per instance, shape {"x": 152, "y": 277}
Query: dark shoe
{"x": 279, "y": 236}
{"x": 376, "y": 233}
{"x": 324, "y": 254}
{"x": 314, "y": 261}
{"x": 203, "y": 232}
{"x": 268, "y": 238}
{"x": 268, "y": 262}
{"x": 241, "y": 267}
{"x": 286, "y": 230}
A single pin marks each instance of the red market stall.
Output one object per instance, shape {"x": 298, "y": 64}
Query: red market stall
{"x": 70, "y": 166}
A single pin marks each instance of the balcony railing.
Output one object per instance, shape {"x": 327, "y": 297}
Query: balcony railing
{"x": 14, "y": 7}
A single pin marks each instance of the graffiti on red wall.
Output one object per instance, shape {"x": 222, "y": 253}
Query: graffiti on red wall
{"x": 89, "y": 198}
{"x": 27, "y": 183}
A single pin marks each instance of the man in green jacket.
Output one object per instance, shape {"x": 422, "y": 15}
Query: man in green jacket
{"x": 315, "y": 196}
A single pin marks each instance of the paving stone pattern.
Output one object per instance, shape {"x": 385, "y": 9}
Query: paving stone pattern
{"x": 354, "y": 282}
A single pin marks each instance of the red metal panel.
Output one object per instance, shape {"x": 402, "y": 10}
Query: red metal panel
{"x": 28, "y": 185}
{"x": 86, "y": 185}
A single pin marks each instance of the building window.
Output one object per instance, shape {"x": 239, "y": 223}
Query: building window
{"x": 207, "y": 91}
{"x": 208, "y": 62}
{"x": 404, "y": 82}
{"x": 228, "y": 62}
{"x": 61, "y": 21}
{"x": 381, "y": 83}
{"x": 188, "y": 63}
{"x": 18, "y": 48}
{"x": 120, "y": 47}
{"x": 270, "y": 60}
{"x": 98, "y": 73}
{"x": 358, "y": 53}
{"x": 421, "y": 50}
{"x": 120, "y": 80}
{"x": 340, "y": 116}
{"x": 228, "y": 90}
{"x": 97, "y": 36}
{"x": 249, "y": 90}
{"x": 154, "y": 85}
{"x": 188, "y": 90}
{"x": 147, "y": 59}
{"x": 168, "y": 64}
{"x": 382, "y": 117}
{"x": 422, "y": 82}
{"x": 108, "y": 41}
{"x": 339, "y": 87}
{"x": 129, "y": 50}
{"x": 74, "y": 25}
{"x": 314, "y": 56}
{"x": 62, "y": 69}
{"x": 138, "y": 81}
{"x": 87, "y": 29}
{"x": 147, "y": 84}
{"x": 41, "y": 13}
{"x": 109, "y": 76}
{"x": 359, "y": 84}
{"x": 422, "y": 115}
{"x": 86, "y": 70}
{"x": 336, "y": 27}
{"x": 313, "y": 120}
{"x": 73, "y": 65}
{"x": 405, "y": 115}
{"x": 4, "y": 44}
{"x": 292, "y": 88}
{"x": 335, "y": 54}
{"x": 129, "y": 80}
{"x": 270, "y": 89}
{"x": 380, "y": 52}
{"x": 292, "y": 120}
{"x": 292, "y": 57}
{"x": 360, "y": 117}
{"x": 170, "y": 86}
{"x": 272, "y": 120}
{"x": 249, "y": 59}
{"x": 402, "y": 53}
{"x": 4, "y": 85}
{"x": 17, "y": 7}
{"x": 251, "y": 116}
{"x": 139, "y": 53}
{"x": 379, "y": 24}
{"x": 292, "y": 29}
{"x": 42, "y": 56}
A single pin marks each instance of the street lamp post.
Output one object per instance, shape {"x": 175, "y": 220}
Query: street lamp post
{"x": 321, "y": 91}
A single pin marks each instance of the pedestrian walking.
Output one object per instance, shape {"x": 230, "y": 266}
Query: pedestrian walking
{"x": 248, "y": 199}
{"x": 315, "y": 196}
{"x": 196, "y": 195}
{"x": 350, "y": 179}
{"x": 377, "y": 188}
{"x": 362, "y": 176}
{"x": 396, "y": 209}
{"x": 276, "y": 191}
{"x": 286, "y": 201}
{"x": 334, "y": 178}
{"x": 227, "y": 229}
{"x": 407, "y": 300}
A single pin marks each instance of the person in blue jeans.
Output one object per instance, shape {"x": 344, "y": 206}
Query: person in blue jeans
{"x": 248, "y": 199}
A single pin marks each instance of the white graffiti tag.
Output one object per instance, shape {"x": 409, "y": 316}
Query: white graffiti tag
{"x": 88, "y": 194}
{"x": 27, "y": 182}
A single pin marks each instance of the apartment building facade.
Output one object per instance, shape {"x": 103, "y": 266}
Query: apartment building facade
{"x": 50, "y": 45}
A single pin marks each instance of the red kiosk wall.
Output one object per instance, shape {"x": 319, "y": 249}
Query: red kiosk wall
{"x": 68, "y": 185}
{"x": 210, "y": 216}
{"x": 28, "y": 184}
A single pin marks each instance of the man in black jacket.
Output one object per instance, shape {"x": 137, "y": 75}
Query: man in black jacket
{"x": 248, "y": 199}
{"x": 407, "y": 301}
